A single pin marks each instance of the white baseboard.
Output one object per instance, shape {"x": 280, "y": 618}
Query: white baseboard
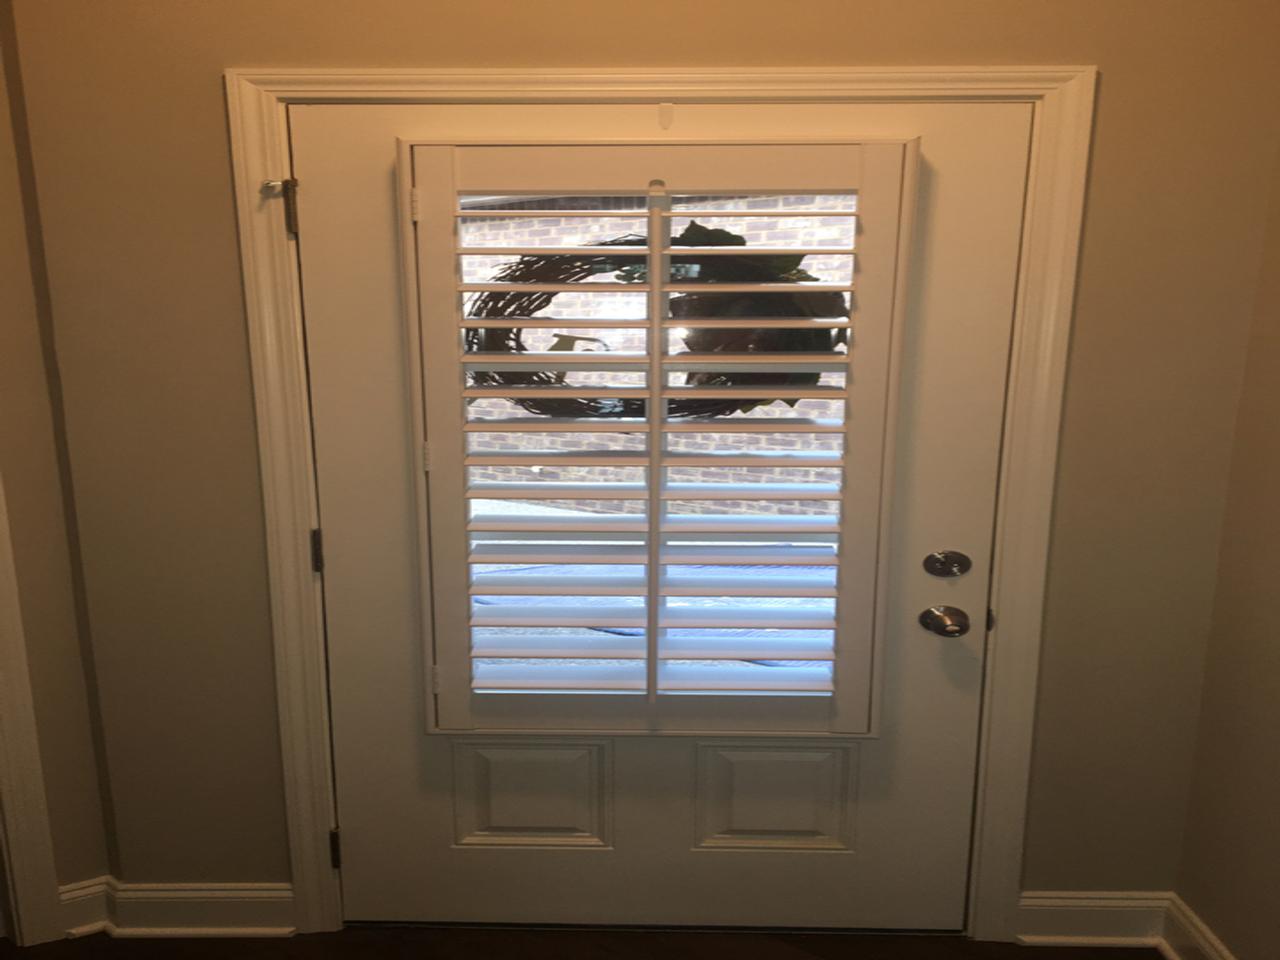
{"x": 1092, "y": 917}
{"x": 1117, "y": 918}
{"x": 85, "y": 906}
{"x": 105, "y": 904}
{"x": 1188, "y": 937}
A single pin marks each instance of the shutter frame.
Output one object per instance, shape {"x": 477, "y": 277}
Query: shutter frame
{"x": 717, "y": 533}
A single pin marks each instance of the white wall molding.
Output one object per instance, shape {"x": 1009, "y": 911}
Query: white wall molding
{"x": 260, "y": 151}
{"x": 105, "y": 904}
{"x": 1092, "y": 917}
{"x": 1062, "y": 98}
{"x": 1117, "y": 918}
{"x": 85, "y": 906}
{"x": 1098, "y": 918}
{"x": 1057, "y": 172}
{"x": 932, "y": 84}
{"x": 1188, "y": 937}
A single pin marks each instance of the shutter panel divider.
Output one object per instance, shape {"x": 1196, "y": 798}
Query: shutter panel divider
{"x": 659, "y": 239}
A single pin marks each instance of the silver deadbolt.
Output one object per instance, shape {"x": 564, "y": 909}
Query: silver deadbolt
{"x": 945, "y": 621}
{"x": 947, "y": 563}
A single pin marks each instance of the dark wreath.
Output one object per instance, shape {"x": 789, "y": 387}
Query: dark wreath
{"x": 569, "y": 268}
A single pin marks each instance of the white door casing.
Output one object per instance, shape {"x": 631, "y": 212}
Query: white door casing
{"x": 910, "y": 809}
{"x": 1062, "y": 101}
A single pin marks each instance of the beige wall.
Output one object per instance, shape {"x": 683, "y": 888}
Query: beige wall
{"x": 1231, "y": 871}
{"x": 33, "y": 488}
{"x": 130, "y": 145}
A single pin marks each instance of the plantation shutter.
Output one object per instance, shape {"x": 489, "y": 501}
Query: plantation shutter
{"x": 657, "y": 398}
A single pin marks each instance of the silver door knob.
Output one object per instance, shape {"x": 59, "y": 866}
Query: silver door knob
{"x": 945, "y": 621}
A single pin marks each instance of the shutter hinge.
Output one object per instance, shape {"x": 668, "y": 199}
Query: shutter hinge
{"x": 317, "y": 551}
{"x": 335, "y": 849}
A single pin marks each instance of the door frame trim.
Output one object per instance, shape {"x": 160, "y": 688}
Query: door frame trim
{"x": 1062, "y": 98}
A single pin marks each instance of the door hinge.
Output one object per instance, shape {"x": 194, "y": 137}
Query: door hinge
{"x": 435, "y": 679}
{"x": 413, "y": 204}
{"x": 426, "y": 458}
{"x": 289, "y": 191}
{"x": 317, "y": 551}
{"x": 991, "y": 619}
{"x": 335, "y": 849}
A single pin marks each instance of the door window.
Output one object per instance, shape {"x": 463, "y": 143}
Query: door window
{"x": 653, "y": 446}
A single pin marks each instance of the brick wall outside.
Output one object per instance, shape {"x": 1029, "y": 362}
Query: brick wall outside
{"x": 552, "y": 230}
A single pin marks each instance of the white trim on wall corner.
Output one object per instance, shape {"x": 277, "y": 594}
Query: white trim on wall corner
{"x": 105, "y": 904}
{"x": 1062, "y": 98}
{"x": 1117, "y": 918}
{"x": 260, "y": 151}
{"x": 27, "y": 847}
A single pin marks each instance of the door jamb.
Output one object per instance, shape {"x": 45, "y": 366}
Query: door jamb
{"x": 1062, "y": 99}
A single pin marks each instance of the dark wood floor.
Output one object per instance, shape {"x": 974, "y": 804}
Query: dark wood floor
{"x": 478, "y": 943}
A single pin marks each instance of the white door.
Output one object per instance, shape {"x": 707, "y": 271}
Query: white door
{"x": 643, "y": 645}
